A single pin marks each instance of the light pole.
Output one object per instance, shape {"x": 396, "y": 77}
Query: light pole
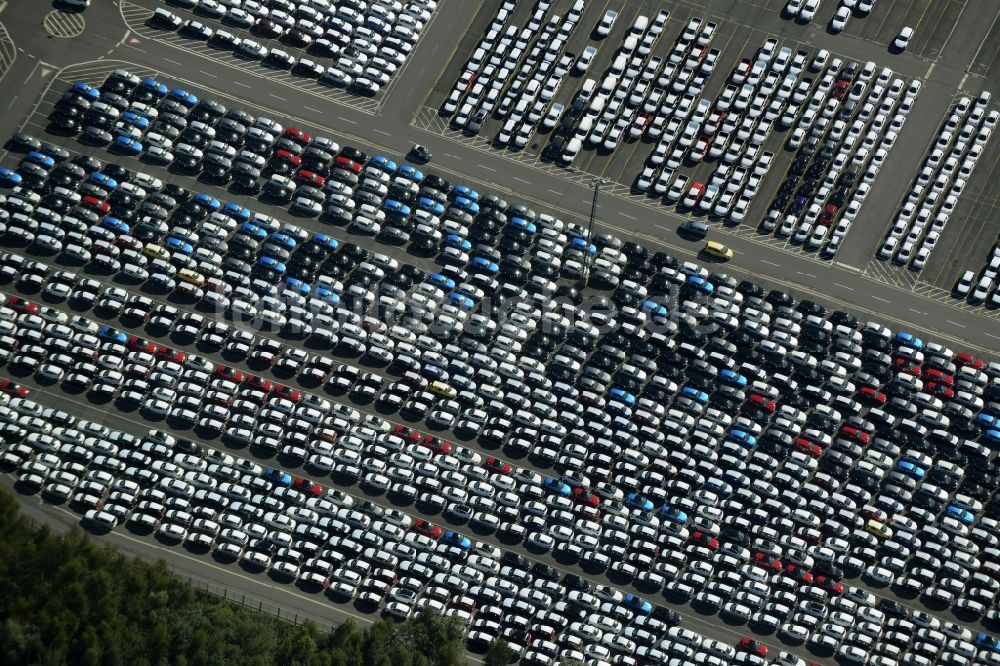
{"x": 596, "y": 184}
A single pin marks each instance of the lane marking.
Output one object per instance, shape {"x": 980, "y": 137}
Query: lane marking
{"x": 383, "y": 132}
{"x": 879, "y": 298}
{"x": 842, "y": 286}
{"x": 624, "y": 214}
{"x": 765, "y": 261}
{"x": 214, "y": 76}
{"x": 173, "y": 61}
{"x": 348, "y": 120}
{"x": 483, "y": 166}
{"x": 953, "y": 323}
{"x": 241, "y": 84}
{"x": 554, "y": 191}
{"x": 277, "y": 97}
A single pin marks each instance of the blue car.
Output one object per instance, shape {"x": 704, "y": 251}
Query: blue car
{"x": 383, "y": 163}
{"x": 442, "y": 281}
{"x": 700, "y": 283}
{"x": 271, "y": 262}
{"x": 964, "y": 515}
{"x": 556, "y": 486}
{"x": 393, "y": 206}
{"x": 183, "y": 97}
{"x": 154, "y": 87}
{"x": 797, "y": 205}
{"x": 908, "y": 339}
{"x": 654, "y": 309}
{"x": 582, "y": 245}
{"x": 987, "y": 420}
{"x": 109, "y": 334}
{"x": 410, "y": 173}
{"x": 297, "y": 285}
{"x": 175, "y": 244}
{"x": 284, "y": 240}
{"x": 253, "y": 231}
{"x": 638, "y": 604}
{"x": 468, "y": 205}
{"x": 87, "y": 90}
{"x": 453, "y": 538}
{"x": 911, "y": 468}
{"x": 128, "y": 145}
{"x": 992, "y": 436}
{"x": 462, "y": 301}
{"x": 326, "y": 295}
{"x": 484, "y": 265}
{"x": 41, "y": 159}
{"x": 9, "y": 177}
{"x": 695, "y": 394}
{"x": 236, "y": 211}
{"x": 115, "y": 225}
{"x": 638, "y": 502}
{"x": 328, "y": 241}
{"x": 102, "y": 180}
{"x": 742, "y": 437}
{"x": 731, "y": 377}
{"x": 523, "y": 224}
{"x": 133, "y": 118}
{"x": 278, "y": 477}
{"x": 456, "y": 241}
{"x": 622, "y": 395}
{"x": 431, "y": 206}
{"x": 208, "y": 201}
{"x": 673, "y": 514}
{"x": 987, "y": 642}
{"x": 464, "y": 191}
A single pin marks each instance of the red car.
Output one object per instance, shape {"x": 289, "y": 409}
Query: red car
{"x": 12, "y": 389}
{"x": 497, "y": 465}
{"x": 229, "y": 373}
{"x": 940, "y": 377}
{"x": 753, "y": 646}
{"x": 308, "y": 487}
{"x": 298, "y": 136}
{"x": 967, "y": 360}
{"x": 829, "y": 584}
{"x": 258, "y": 383}
{"x": 704, "y": 539}
{"x": 808, "y": 447}
{"x": 408, "y": 434}
{"x": 910, "y": 367}
{"x": 840, "y": 89}
{"x": 306, "y": 177}
{"x": 21, "y": 306}
{"x": 585, "y": 496}
{"x": 874, "y": 395}
{"x": 767, "y": 561}
{"x": 852, "y": 433}
{"x": 95, "y": 204}
{"x": 347, "y": 163}
{"x": 799, "y": 573}
{"x": 282, "y": 391}
{"x": 135, "y": 343}
{"x": 763, "y": 402}
{"x": 436, "y": 444}
{"x": 168, "y": 354}
{"x": 421, "y": 526}
{"x": 288, "y": 156}
{"x": 940, "y": 390}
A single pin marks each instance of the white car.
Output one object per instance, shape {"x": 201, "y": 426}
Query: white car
{"x": 839, "y": 20}
{"x": 607, "y": 22}
{"x": 808, "y": 11}
{"x": 903, "y": 39}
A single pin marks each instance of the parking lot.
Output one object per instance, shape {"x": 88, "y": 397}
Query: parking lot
{"x": 699, "y": 444}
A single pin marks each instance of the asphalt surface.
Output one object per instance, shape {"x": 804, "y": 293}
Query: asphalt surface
{"x": 108, "y": 42}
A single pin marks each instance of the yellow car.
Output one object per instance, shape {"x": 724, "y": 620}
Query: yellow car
{"x": 154, "y": 251}
{"x": 878, "y": 529}
{"x": 718, "y": 250}
{"x": 444, "y": 390}
{"x": 191, "y": 277}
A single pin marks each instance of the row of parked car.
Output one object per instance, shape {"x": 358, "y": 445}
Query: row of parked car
{"x": 936, "y": 189}
{"x": 367, "y": 42}
{"x": 780, "y": 433}
{"x": 977, "y": 291}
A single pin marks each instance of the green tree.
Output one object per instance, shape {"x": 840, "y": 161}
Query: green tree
{"x": 500, "y": 653}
